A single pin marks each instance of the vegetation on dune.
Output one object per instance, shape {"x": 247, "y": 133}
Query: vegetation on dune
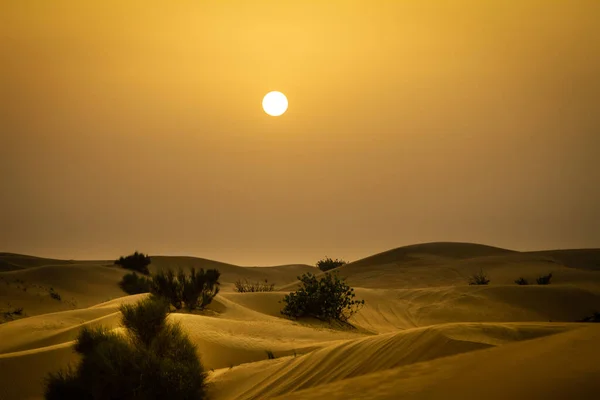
{"x": 328, "y": 263}
{"x": 153, "y": 360}
{"x": 328, "y": 298}
{"x": 133, "y": 283}
{"x": 544, "y": 279}
{"x": 136, "y": 262}
{"x": 54, "y": 294}
{"x": 479, "y": 278}
{"x": 193, "y": 291}
{"x": 250, "y": 287}
{"x": 270, "y": 355}
{"x": 12, "y": 313}
{"x": 595, "y": 317}
{"x": 522, "y": 281}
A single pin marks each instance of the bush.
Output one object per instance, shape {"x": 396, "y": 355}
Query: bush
{"x": 194, "y": 291}
{"x": 250, "y": 287}
{"x": 479, "y": 278}
{"x": 133, "y": 283}
{"x": 595, "y": 317}
{"x": 13, "y": 313}
{"x": 136, "y": 262}
{"x": 328, "y": 298}
{"x": 270, "y": 355}
{"x": 54, "y": 294}
{"x": 153, "y": 360}
{"x": 146, "y": 319}
{"x": 544, "y": 279}
{"x": 327, "y": 263}
{"x": 522, "y": 281}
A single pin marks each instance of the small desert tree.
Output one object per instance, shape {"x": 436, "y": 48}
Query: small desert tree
{"x": 522, "y": 281}
{"x": 328, "y": 298}
{"x": 137, "y": 262}
{"x": 152, "y": 360}
{"x": 544, "y": 279}
{"x": 479, "y": 278}
{"x": 133, "y": 283}
{"x": 328, "y": 263}
{"x": 194, "y": 291}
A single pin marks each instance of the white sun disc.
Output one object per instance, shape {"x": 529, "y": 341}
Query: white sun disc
{"x": 275, "y": 103}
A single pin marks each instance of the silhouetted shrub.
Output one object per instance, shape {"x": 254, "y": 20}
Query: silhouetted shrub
{"x": 479, "y": 278}
{"x": 327, "y": 298}
{"x": 248, "y": 287}
{"x": 54, "y": 294}
{"x": 270, "y": 355}
{"x": 65, "y": 384}
{"x": 544, "y": 279}
{"x": 595, "y": 317}
{"x": 522, "y": 281}
{"x": 133, "y": 283}
{"x": 146, "y": 319}
{"x": 12, "y": 314}
{"x": 327, "y": 263}
{"x": 152, "y": 360}
{"x": 194, "y": 291}
{"x": 137, "y": 262}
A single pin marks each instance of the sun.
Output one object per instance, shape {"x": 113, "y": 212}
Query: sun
{"x": 275, "y": 103}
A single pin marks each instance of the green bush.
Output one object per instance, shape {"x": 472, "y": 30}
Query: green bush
{"x": 327, "y": 263}
{"x": 193, "y": 291}
{"x": 137, "y": 262}
{"x": 250, "y": 287}
{"x": 522, "y": 281}
{"x": 328, "y": 298}
{"x": 133, "y": 283}
{"x": 544, "y": 279}
{"x": 153, "y": 360}
{"x": 479, "y": 278}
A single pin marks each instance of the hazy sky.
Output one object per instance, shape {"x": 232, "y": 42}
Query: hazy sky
{"x": 131, "y": 125}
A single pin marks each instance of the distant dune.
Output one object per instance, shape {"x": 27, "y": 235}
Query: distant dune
{"x": 423, "y": 333}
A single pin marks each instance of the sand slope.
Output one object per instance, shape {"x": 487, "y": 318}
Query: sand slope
{"x": 423, "y": 333}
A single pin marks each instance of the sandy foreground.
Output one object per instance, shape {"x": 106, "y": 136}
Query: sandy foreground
{"x": 424, "y": 333}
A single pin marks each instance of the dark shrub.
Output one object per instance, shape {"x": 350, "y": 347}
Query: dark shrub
{"x": 156, "y": 361}
{"x": 91, "y": 338}
{"x": 166, "y": 284}
{"x": 595, "y": 317}
{"x": 146, "y": 319}
{"x": 522, "y": 281}
{"x": 194, "y": 291}
{"x": 63, "y": 385}
{"x": 137, "y": 262}
{"x": 270, "y": 355}
{"x": 327, "y": 263}
{"x": 328, "y": 298}
{"x": 13, "y": 313}
{"x": 133, "y": 283}
{"x": 54, "y": 294}
{"x": 250, "y": 287}
{"x": 200, "y": 288}
{"x": 544, "y": 279}
{"x": 479, "y": 278}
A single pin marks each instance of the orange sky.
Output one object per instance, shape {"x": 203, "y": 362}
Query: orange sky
{"x": 138, "y": 125}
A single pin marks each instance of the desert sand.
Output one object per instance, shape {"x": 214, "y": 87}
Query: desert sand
{"x": 423, "y": 333}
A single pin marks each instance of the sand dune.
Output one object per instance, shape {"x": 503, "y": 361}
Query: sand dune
{"x": 423, "y": 332}
{"x": 562, "y": 366}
